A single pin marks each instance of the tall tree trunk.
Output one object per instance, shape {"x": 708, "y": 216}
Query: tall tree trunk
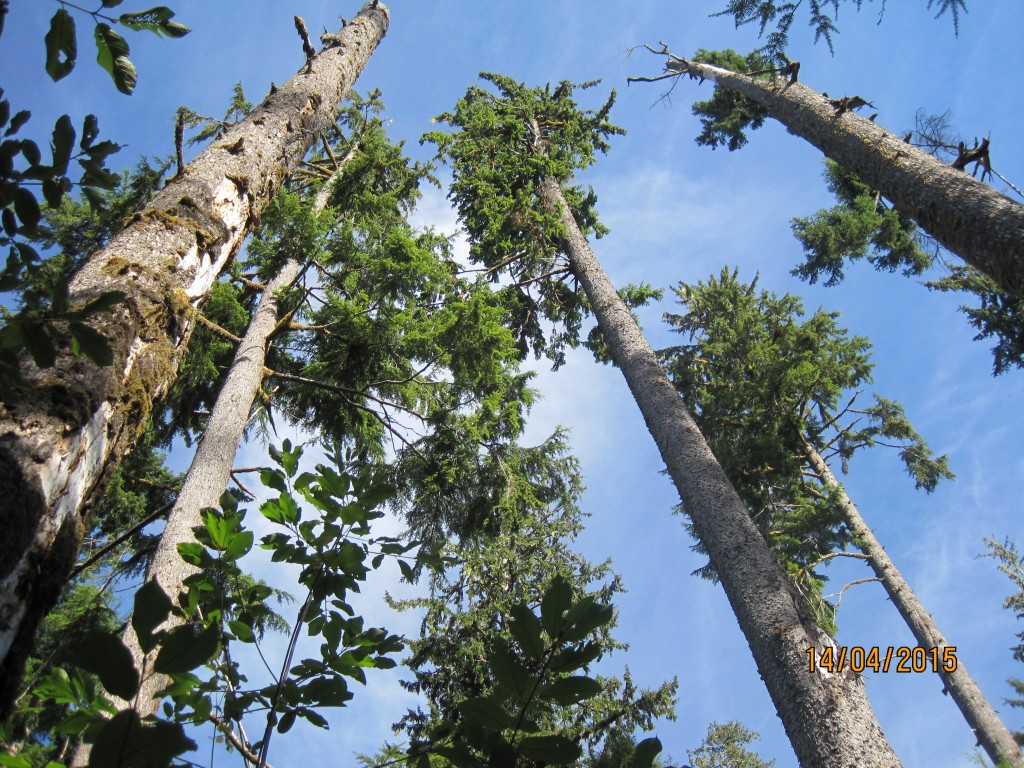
{"x": 57, "y": 446}
{"x": 207, "y": 477}
{"x": 826, "y": 716}
{"x": 992, "y": 734}
{"x": 210, "y": 471}
{"x": 982, "y": 226}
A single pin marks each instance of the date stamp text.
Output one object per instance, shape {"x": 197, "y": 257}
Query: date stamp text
{"x": 899, "y": 659}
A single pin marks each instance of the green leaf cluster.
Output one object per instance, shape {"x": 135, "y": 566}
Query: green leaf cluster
{"x": 766, "y": 387}
{"x": 724, "y": 746}
{"x": 822, "y": 17}
{"x": 38, "y": 722}
{"x": 727, "y": 114}
{"x": 333, "y": 550}
{"x": 1011, "y": 563}
{"x": 501, "y": 146}
{"x": 118, "y": 738}
{"x": 507, "y": 635}
{"x": 111, "y": 48}
{"x": 862, "y": 225}
{"x": 221, "y": 605}
{"x": 526, "y": 713}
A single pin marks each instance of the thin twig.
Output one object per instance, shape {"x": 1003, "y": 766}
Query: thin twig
{"x": 95, "y": 556}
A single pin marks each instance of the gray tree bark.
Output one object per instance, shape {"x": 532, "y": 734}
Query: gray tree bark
{"x": 826, "y": 716}
{"x": 207, "y": 477}
{"x": 987, "y": 726}
{"x": 210, "y": 471}
{"x": 982, "y": 226}
{"x": 57, "y": 446}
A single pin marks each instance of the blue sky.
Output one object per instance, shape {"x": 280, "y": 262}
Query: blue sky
{"x": 677, "y": 212}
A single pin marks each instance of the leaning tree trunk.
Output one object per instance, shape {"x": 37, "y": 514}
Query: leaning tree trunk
{"x": 57, "y": 445}
{"x": 990, "y": 730}
{"x": 982, "y": 226}
{"x": 826, "y": 716}
{"x": 210, "y": 471}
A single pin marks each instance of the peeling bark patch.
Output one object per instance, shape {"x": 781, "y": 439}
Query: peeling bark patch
{"x": 65, "y": 479}
{"x": 78, "y": 420}
{"x": 133, "y": 352}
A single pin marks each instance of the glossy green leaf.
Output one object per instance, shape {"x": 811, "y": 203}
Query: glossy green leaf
{"x": 273, "y": 478}
{"x": 107, "y": 657}
{"x": 17, "y": 122}
{"x": 140, "y": 20}
{"x": 290, "y": 459}
{"x": 61, "y": 45}
{"x": 174, "y": 29}
{"x": 645, "y": 753}
{"x": 89, "y": 343}
{"x": 238, "y": 546}
{"x": 555, "y": 750}
{"x": 569, "y": 690}
{"x": 127, "y": 741}
{"x": 486, "y": 713}
{"x": 27, "y": 208}
{"x": 112, "y": 55}
{"x": 584, "y": 617}
{"x": 573, "y": 658}
{"x": 509, "y": 673}
{"x": 184, "y": 649}
{"x": 377, "y": 495}
{"x": 56, "y": 685}
{"x": 242, "y": 631}
{"x": 156, "y": 20}
{"x": 63, "y": 144}
{"x": 526, "y": 629}
{"x": 194, "y": 553}
{"x": 152, "y": 607}
{"x": 557, "y": 600}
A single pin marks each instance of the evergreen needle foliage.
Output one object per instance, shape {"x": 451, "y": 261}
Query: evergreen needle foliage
{"x": 766, "y": 386}
{"x": 502, "y": 145}
{"x": 777, "y": 18}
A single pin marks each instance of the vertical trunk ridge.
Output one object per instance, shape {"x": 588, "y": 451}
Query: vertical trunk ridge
{"x": 57, "y": 446}
{"x": 990, "y": 730}
{"x": 826, "y": 716}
